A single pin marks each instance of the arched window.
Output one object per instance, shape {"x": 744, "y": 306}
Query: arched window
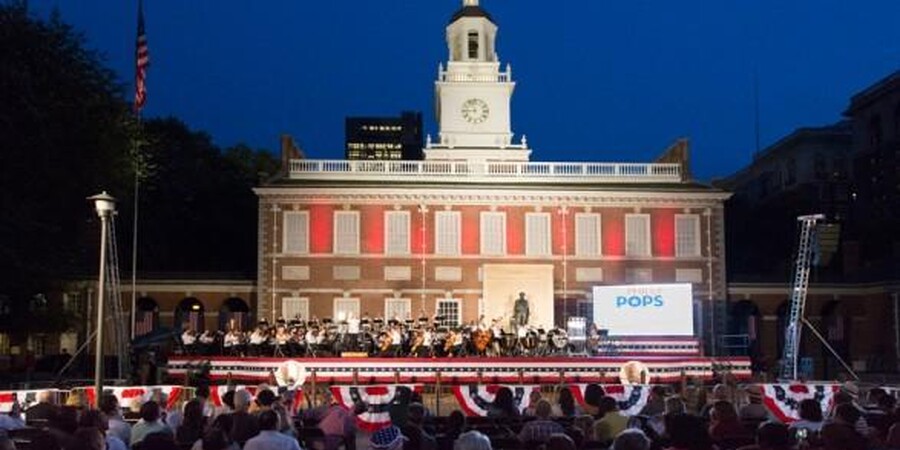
{"x": 234, "y": 314}
{"x": 473, "y": 45}
{"x": 146, "y": 316}
{"x": 189, "y": 314}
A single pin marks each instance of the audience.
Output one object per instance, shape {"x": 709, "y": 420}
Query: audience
{"x": 540, "y": 429}
{"x": 192, "y": 425}
{"x": 150, "y": 423}
{"x": 724, "y": 424}
{"x": 504, "y": 405}
{"x": 243, "y": 424}
{"x": 95, "y": 419}
{"x": 269, "y": 438}
{"x": 754, "y": 410}
{"x": 773, "y": 436}
{"x": 472, "y": 440}
{"x": 611, "y": 422}
{"x": 337, "y": 424}
{"x": 44, "y": 411}
{"x": 418, "y": 437}
{"x": 534, "y": 397}
{"x": 631, "y": 440}
{"x": 592, "y": 395}
{"x": 810, "y": 412}
{"x": 388, "y": 438}
{"x": 118, "y": 427}
{"x": 687, "y": 432}
{"x": 560, "y": 441}
{"x": 656, "y": 402}
{"x": 565, "y": 404}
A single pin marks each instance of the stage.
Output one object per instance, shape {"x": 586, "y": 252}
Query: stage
{"x": 452, "y": 371}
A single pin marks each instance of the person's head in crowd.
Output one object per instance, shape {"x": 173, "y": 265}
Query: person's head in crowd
{"x": 193, "y": 414}
{"x": 608, "y": 404}
{"x": 566, "y": 401}
{"x": 94, "y": 418}
{"x": 223, "y": 422}
{"x": 228, "y": 400}
{"x": 388, "y": 438}
{"x": 773, "y": 436}
{"x": 505, "y": 401}
{"x": 875, "y": 395}
{"x": 215, "y": 439}
{"x": 675, "y": 405}
{"x": 109, "y": 404}
{"x": 65, "y": 420}
{"x": 847, "y": 414}
{"x": 841, "y": 398}
{"x": 838, "y": 436}
{"x": 242, "y": 400}
{"x": 543, "y": 409}
{"x": 265, "y": 398}
{"x": 472, "y": 440}
{"x": 577, "y": 435}
{"x": 658, "y": 393}
{"x": 893, "y": 436}
{"x": 46, "y": 397}
{"x": 688, "y": 432}
{"x": 202, "y": 392}
{"x": 560, "y": 441}
{"x": 45, "y": 441}
{"x": 585, "y": 422}
{"x": 150, "y": 411}
{"x": 77, "y": 400}
{"x": 159, "y": 441}
{"x": 754, "y": 394}
{"x": 723, "y": 412}
{"x": 328, "y": 398}
{"x": 631, "y": 439}
{"x": 268, "y": 420}
{"x": 416, "y": 414}
{"x": 810, "y": 410}
{"x": 592, "y": 395}
{"x": 887, "y": 403}
{"x": 720, "y": 392}
{"x": 456, "y": 421}
{"x": 89, "y": 438}
{"x": 534, "y": 397}
{"x": 416, "y": 397}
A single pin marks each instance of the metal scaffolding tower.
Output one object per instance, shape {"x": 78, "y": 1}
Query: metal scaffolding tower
{"x": 119, "y": 318}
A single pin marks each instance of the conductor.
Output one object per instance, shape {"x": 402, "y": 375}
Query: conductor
{"x": 520, "y": 310}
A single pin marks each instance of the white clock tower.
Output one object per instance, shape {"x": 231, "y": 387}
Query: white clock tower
{"x": 472, "y": 95}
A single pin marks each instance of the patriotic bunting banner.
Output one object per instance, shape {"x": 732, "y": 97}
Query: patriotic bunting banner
{"x": 782, "y": 400}
{"x": 475, "y": 399}
{"x": 631, "y": 398}
{"x": 25, "y": 398}
{"x": 377, "y": 400}
{"x": 128, "y": 395}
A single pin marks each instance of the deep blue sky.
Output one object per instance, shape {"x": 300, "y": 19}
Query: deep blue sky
{"x": 597, "y": 80}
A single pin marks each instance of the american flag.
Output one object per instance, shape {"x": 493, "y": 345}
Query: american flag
{"x": 143, "y": 322}
{"x": 142, "y": 60}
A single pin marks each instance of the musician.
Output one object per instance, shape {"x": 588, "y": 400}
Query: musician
{"x": 396, "y": 339}
{"x": 188, "y": 339}
{"x": 353, "y": 331}
{"x": 258, "y": 338}
{"x": 427, "y": 342}
{"x": 207, "y": 339}
{"x": 521, "y": 311}
{"x": 232, "y": 342}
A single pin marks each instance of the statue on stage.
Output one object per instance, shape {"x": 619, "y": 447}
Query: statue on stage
{"x": 521, "y": 311}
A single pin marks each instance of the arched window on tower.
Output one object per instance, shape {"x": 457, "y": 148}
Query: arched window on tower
{"x": 473, "y": 45}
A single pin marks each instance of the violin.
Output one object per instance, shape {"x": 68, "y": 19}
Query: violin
{"x": 385, "y": 342}
{"x": 417, "y": 342}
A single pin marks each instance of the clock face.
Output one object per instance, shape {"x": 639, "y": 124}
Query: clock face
{"x": 475, "y": 111}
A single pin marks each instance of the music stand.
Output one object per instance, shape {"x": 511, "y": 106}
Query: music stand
{"x": 576, "y": 330}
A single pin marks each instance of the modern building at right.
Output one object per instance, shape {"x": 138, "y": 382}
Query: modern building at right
{"x": 849, "y": 171}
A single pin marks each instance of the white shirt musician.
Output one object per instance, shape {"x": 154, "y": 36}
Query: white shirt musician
{"x": 207, "y": 337}
{"x": 310, "y": 336}
{"x": 396, "y": 338}
{"x": 232, "y": 339}
{"x": 427, "y": 338}
{"x": 258, "y": 337}
{"x": 188, "y": 338}
{"x": 282, "y": 337}
{"x": 353, "y": 325}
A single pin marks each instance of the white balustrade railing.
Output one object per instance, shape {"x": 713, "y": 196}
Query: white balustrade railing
{"x": 464, "y": 171}
{"x": 465, "y": 77}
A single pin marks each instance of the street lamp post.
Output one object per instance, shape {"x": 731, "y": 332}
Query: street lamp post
{"x": 105, "y": 205}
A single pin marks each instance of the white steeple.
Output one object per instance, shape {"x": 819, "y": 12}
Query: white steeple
{"x": 472, "y": 95}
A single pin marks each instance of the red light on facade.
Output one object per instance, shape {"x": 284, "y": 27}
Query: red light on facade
{"x": 372, "y": 229}
{"x": 471, "y": 231}
{"x": 662, "y": 224}
{"x": 613, "y": 234}
{"x": 321, "y": 225}
{"x": 515, "y": 232}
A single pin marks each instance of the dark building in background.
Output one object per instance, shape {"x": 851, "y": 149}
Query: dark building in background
{"x": 390, "y": 138}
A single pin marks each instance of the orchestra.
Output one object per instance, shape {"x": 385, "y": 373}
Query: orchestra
{"x": 423, "y": 338}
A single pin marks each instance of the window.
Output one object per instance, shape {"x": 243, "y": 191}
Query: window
{"x": 448, "y": 311}
{"x": 687, "y": 235}
{"x": 346, "y": 232}
{"x": 296, "y": 232}
{"x": 637, "y": 235}
{"x": 397, "y": 232}
{"x": 345, "y": 307}
{"x": 295, "y": 308}
{"x": 493, "y": 233}
{"x": 537, "y": 234}
{"x": 587, "y": 234}
{"x": 639, "y": 276}
{"x": 446, "y": 233}
{"x": 397, "y": 308}
{"x": 72, "y": 302}
{"x": 473, "y": 45}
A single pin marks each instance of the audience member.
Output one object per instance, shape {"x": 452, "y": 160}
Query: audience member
{"x": 565, "y": 404}
{"x": 534, "y": 397}
{"x": 193, "y": 424}
{"x": 720, "y": 392}
{"x": 841, "y": 436}
{"x": 265, "y": 398}
{"x": 269, "y": 438}
{"x": 656, "y": 402}
{"x": 228, "y": 402}
{"x": 243, "y": 424}
{"x": 612, "y": 421}
{"x": 687, "y": 432}
{"x": 754, "y": 410}
{"x": 585, "y": 423}
{"x": 592, "y": 395}
{"x": 418, "y": 437}
{"x": 455, "y": 426}
{"x": 472, "y": 440}
{"x": 504, "y": 405}
{"x": 88, "y": 438}
{"x": 150, "y": 423}
{"x": 810, "y": 412}
{"x": 724, "y": 424}
{"x": 540, "y": 429}
{"x": 215, "y": 439}
{"x": 157, "y": 441}
{"x": 94, "y": 418}
{"x": 560, "y": 441}
{"x": 118, "y": 427}
{"x": 6, "y": 443}
{"x": 44, "y": 411}
{"x": 337, "y": 424}
{"x": 773, "y": 436}
{"x": 631, "y": 440}
{"x": 388, "y": 438}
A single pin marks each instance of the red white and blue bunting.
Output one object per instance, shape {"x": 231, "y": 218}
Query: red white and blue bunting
{"x": 631, "y": 398}
{"x": 376, "y": 399}
{"x": 783, "y": 400}
{"x": 475, "y": 399}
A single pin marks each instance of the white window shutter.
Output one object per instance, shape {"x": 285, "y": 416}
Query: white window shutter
{"x": 447, "y": 232}
{"x": 296, "y": 232}
{"x": 537, "y": 234}
{"x": 587, "y": 234}
{"x": 687, "y": 235}
{"x": 397, "y": 225}
{"x": 346, "y": 232}
{"x": 637, "y": 235}
{"x": 493, "y": 233}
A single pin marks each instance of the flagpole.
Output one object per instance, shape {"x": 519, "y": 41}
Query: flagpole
{"x": 140, "y": 95}
{"x": 134, "y": 231}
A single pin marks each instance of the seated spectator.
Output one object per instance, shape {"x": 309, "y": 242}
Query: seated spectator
{"x": 565, "y": 404}
{"x": 687, "y": 432}
{"x": 893, "y": 437}
{"x": 243, "y": 424}
{"x": 227, "y": 402}
{"x": 150, "y": 423}
{"x": 472, "y": 440}
{"x": 44, "y": 410}
{"x": 611, "y": 423}
{"x": 217, "y": 433}
{"x": 418, "y": 437}
{"x": 88, "y": 438}
{"x": 265, "y": 398}
{"x": 118, "y": 427}
{"x": 845, "y": 398}
{"x": 724, "y": 424}
{"x": 534, "y": 397}
{"x": 754, "y": 409}
{"x": 631, "y": 440}
{"x": 337, "y": 424}
{"x": 193, "y": 424}
{"x": 6, "y": 443}
{"x": 841, "y": 436}
{"x": 720, "y": 393}
{"x": 656, "y": 402}
{"x": 592, "y": 395}
{"x": 157, "y": 441}
{"x": 774, "y": 436}
{"x": 585, "y": 423}
{"x": 810, "y": 412}
{"x": 269, "y": 438}
{"x": 63, "y": 426}
{"x": 560, "y": 441}
{"x": 388, "y": 438}
{"x": 95, "y": 419}
{"x": 540, "y": 429}
{"x": 504, "y": 405}
{"x": 577, "y": 436}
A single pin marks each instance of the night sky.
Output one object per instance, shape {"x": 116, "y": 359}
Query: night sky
{"x": 597, "y": 80}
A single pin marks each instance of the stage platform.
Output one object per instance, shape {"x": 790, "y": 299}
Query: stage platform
{"x": 549, "y": 370}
